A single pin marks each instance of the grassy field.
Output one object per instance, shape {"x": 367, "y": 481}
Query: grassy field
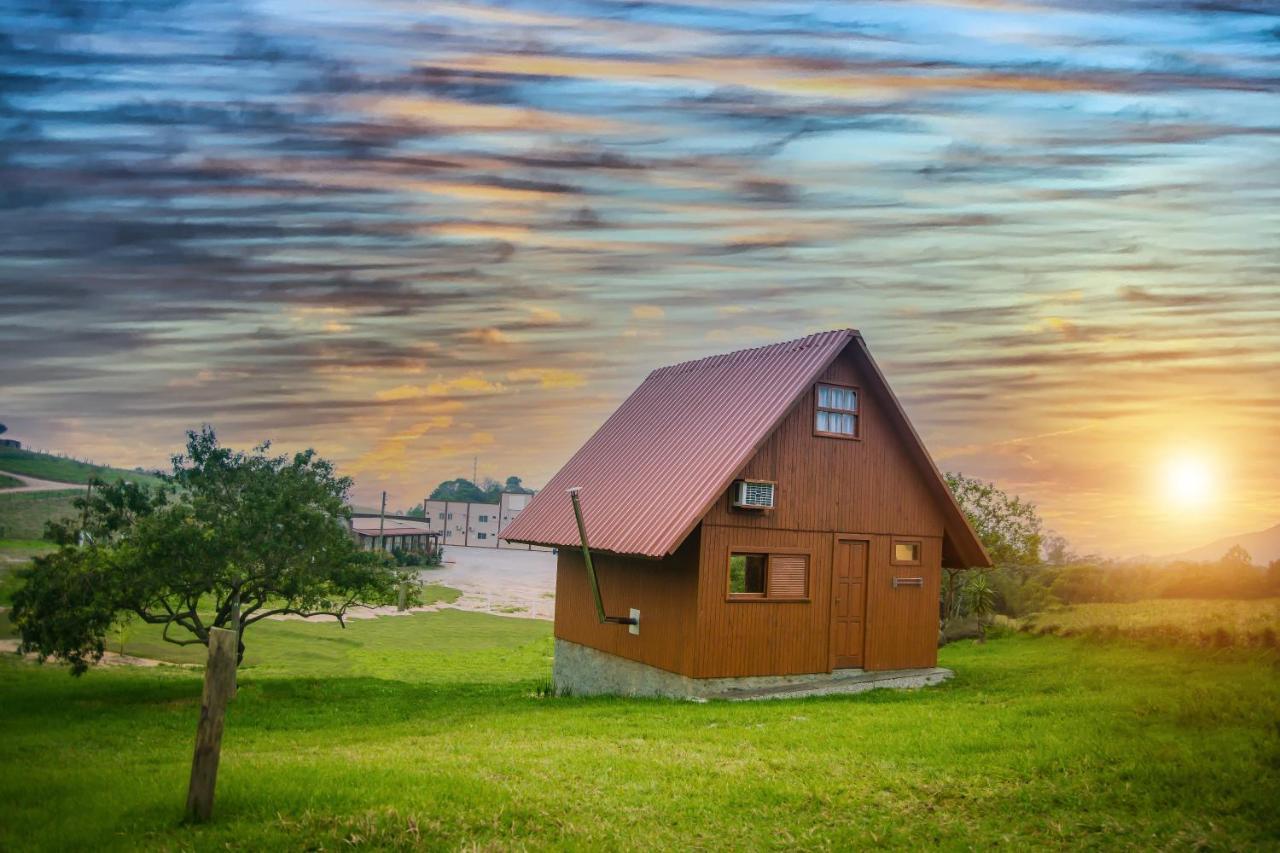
{"x": 431, "y": 730}
{"x": 46, "y": 466}
{"x": 7, "y": 482}
{"x": 15, "y": 554}
{"x": 1194, "y": 622}
{"x": 23, "y": 514}
{"x": 293, "y": 646}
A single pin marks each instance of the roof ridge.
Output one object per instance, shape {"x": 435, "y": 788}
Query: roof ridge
{"x": 777, "y": 345}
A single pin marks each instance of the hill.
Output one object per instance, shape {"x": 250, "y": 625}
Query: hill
{"x": 23, "y": 514}
{"x": 62, "y": 469}
{"x": 1263, "y": 546}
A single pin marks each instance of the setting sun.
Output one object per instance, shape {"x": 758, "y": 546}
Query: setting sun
{"x": 1188, "y": 481}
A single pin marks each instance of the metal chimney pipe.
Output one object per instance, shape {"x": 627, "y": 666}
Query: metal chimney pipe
{"x": 591, "y": 569}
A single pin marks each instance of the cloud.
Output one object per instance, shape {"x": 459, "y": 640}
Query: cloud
{"x": 547, "y": 377}
{"x": 743, "y": 336}
{"x": 336, "y": 236}
{"x": 1143, "y": 296}
{"x": 468, "y": 384}
{"x": 488, "y": 335}
{"x": 392, "y": 451}
{"x": 647, "y": 312}
{"x": 541, "y": 316}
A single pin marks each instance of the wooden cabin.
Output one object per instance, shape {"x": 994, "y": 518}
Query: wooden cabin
{"x": 767, "y": 512}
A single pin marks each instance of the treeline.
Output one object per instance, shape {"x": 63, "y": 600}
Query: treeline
{"x": 1022, "y": 590}
{"x": 1035, "y": 571}
{"x": 486, "y": 492}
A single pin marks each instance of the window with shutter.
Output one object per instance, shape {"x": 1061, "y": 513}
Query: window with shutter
{"x": 788, "y": 576}
{"x": 768, "y": 577}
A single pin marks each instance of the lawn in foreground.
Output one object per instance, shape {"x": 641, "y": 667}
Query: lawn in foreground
{"x": 435, "y": 734}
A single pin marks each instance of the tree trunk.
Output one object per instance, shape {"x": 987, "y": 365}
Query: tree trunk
{"x": 219, "y": 686}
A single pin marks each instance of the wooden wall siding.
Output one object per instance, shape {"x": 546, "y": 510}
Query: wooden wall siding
{"x": 761, "y": 637}
{"x": 738, "y": 638}
{"x": 825, "y": 486}
{"x": 902, "y": 623}
{"x": 837, "y": 484}
{"x": 664, "y": 591}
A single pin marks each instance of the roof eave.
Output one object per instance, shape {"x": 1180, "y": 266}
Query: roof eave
{"x": 956, "y": 523}
{"x": 577, "y": 546}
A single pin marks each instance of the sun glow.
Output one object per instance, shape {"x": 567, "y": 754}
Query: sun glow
{"x": 1188, "y": 481}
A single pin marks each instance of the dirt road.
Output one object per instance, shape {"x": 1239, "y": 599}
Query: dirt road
{"x": 514, "y": 583}
{"x": 32, "y": 484}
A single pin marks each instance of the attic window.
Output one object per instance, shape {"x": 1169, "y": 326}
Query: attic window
{"x": 836, "y": 412}
{"x": 769, "y": 577}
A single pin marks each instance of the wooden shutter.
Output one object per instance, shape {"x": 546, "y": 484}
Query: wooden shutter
{"x": 788, "y": 576}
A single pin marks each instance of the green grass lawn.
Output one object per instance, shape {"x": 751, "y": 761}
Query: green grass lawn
{"x": 7, "y": 482}
{"x": 46, "y": 466}
{"x": 296, "y": 646}
{"x": 429, "y": 730}
{"x": 23, "y": 514}
{"x": 1198, "y": 622}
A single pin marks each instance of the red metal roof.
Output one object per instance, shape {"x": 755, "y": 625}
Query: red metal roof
{"x": 672, "y": 447}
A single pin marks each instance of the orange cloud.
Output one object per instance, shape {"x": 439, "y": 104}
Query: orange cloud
{"x": 648, "y": 312}
{"x": 459, "y": 115}
{"x": 471, "y": 383}
{"x": 547, "y": 377}
{"x": 488, "y": 335}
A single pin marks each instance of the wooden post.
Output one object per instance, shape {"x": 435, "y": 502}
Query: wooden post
{"x": 219, "y": 684}
{"x": 235, "y": 629}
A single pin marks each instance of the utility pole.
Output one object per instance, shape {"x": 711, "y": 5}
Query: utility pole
{"x": 84, "y": 520}
{"x": 382, "y": 521}
{"x": 475, "y": 463}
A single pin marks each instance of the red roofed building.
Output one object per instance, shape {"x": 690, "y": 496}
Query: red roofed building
{"x": 770, "y": 513}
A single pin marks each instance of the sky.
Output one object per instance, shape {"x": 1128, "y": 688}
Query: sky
{"x": 413, "y": 235}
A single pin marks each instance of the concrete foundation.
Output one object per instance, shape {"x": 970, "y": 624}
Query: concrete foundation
{"x": 583, "y": 671}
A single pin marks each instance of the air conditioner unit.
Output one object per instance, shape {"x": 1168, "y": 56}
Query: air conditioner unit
{"x": 753, "y": 494}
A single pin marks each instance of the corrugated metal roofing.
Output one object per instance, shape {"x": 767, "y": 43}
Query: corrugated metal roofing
{"x": 390, "y": 529}
{"x": 672, "y": 447}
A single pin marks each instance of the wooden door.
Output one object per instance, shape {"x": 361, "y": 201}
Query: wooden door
{"x": 848, "y": 602}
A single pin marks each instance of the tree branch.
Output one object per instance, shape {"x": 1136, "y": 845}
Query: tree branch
{"x": 340, "y": 614}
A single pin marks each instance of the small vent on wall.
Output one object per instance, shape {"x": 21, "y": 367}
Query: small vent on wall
{"x": 753, "y": 494}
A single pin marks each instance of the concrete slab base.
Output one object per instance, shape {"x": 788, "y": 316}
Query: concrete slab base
{"x": 583, "y": 671}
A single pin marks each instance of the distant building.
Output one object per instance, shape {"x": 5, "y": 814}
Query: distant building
{"x": 374, "y": 534}
{"x": 477, "y": 525}
{"x": 11, "y": 442}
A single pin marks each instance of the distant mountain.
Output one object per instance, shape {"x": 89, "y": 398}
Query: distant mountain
{"x": 1263, "y": 546}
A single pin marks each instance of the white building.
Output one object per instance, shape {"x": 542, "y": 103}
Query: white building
{"x": 476, "y": 525}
